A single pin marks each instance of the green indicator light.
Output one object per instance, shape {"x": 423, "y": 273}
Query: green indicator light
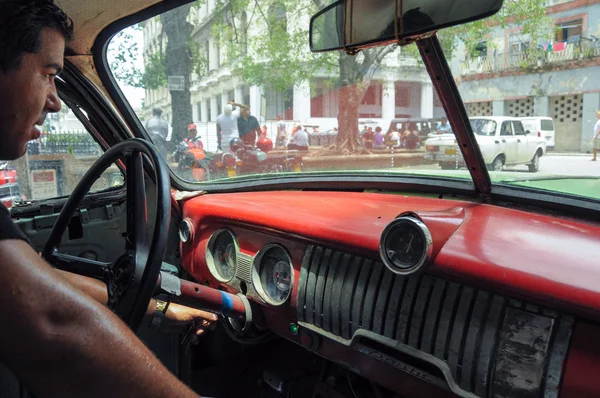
{"x": 294, "y": 328}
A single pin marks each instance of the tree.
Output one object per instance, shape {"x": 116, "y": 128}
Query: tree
{"x": 179, "y": 62}
{"x": 281, "y": 58}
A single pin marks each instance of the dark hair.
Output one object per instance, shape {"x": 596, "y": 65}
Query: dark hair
{"x": 157, "y": 111}
{"x": 21, "y": 24}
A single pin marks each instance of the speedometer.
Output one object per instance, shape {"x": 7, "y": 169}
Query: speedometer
{"x": 221, "y": 256}
{"x": 273, "y": 274}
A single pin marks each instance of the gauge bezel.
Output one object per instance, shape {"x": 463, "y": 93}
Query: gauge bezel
{"x": 210, "y": 260}
{"x": 186, "y": 222}
{"x": 426, "y": 250}
{"x": 256, "y": 276}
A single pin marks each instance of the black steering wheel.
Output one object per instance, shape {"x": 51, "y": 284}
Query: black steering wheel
{"x": 132, "y": 278}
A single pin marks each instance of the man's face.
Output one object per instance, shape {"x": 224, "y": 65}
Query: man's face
{"x": 29, "y": 94}
{"x": 192, "y": 133}
{"x": 245, "y": 112}
{"x": 444, "y": 121}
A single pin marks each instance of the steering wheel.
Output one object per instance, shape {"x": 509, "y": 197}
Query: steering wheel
{"x": 132, "y": 278}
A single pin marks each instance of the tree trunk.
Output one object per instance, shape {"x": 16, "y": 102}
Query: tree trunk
{"x": 351, "y": 93}
{"x": 179, "y": 63}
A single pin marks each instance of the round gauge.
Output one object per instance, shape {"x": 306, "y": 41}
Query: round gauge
{"x": 405, "y": 245}
{"x": 221, "y": 256}
{"x": 273, "y": 274}
{"x": 185, "y": 231}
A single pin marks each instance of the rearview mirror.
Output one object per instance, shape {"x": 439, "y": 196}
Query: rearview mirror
{"x": 356, "y": 24}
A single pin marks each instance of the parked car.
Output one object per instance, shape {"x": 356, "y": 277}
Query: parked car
{"x": 502, "y": 140}
{"x": 543, "y": 127}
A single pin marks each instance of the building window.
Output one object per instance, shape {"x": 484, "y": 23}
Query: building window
{"x": 199, "y": 111}
{"x": 219, "y": 104}
{"x": 518, "y": 43}
{"x": 208, "y": 111}
{"x": 569, "y": 31}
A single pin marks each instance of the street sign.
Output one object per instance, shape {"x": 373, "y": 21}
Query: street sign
{"x": 176, "y": 83}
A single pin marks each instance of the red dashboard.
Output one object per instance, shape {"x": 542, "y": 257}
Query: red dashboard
{"x": 531, "y": 263}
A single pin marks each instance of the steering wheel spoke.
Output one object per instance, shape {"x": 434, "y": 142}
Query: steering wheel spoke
{"x": 137, "y": 209}
{"x": 80, "y": 265}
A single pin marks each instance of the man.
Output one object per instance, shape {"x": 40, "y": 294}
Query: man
{"x": 158, "y": 128}
{"x": 248, "y": 126}
{"x": 299, "y": 141}
{"x": 192, "y": 140}
{"x": 227, "y": 125}
{"x": 444, "y": 127}
{"x": 56, "y": 336}
{"x": 368, "y": 138}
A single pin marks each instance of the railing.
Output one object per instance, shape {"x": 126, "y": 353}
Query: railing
{"x": 498, "y": 62}
{"x": 76, "y": 142}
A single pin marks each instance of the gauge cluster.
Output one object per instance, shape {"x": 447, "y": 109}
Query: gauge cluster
{"x": 268, "y": 276}
{"x": 222, "y": 255}
{"x": 273, "y": 274}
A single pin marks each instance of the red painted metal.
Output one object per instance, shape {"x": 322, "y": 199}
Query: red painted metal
{"x": 542, "y": 258}
{"x": 582, "y": 367}
{"x": 210, "y": 299}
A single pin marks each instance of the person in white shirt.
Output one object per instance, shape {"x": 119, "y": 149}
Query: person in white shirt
{"x": 596, "y": 142}
{"x": 299, "y": 141}
{"x": 227, "y": 125}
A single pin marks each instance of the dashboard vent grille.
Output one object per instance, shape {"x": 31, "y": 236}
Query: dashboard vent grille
{"x": 463, "y": 326}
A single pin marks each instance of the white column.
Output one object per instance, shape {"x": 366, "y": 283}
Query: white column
{"x": 426, "y": 100}
{"x": 255, "y": 94}
{"x": 497, "y": 108}
{"x": 239, "y": 94}
{"x": 388, "y": 100}
{"x": 224, "y": 98}
{"x": 214, "y": 112}
{"x": 541, "y": 106}
{"x": 302, "y": 101}
{"x": 204, "y": 111}
{"x": 195, "y": 112}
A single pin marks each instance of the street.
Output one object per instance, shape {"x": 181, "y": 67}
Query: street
{"x": 572, "y": 165}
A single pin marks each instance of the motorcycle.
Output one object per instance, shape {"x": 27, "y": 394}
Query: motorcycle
{"x": 199, "y": 165}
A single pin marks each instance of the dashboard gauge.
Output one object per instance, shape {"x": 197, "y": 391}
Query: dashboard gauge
{"x": 185, "y": 230}
{"x": 273, "y": 274}
{"x": 221, "y": 256}
{"x": 405, "y": 245}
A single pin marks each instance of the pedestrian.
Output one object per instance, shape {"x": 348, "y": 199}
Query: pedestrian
{"x": 248, "y": 127}
{"x": 158, "y": 128}
{"x": 281, "y": 133}
{"x": 444, "y": 127}
{"x": 596, "y": 141}
{"x": 227, "y": 125}
{"x": 299, "y": 141}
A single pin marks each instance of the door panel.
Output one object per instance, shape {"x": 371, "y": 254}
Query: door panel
{"x": 508, "y": 142}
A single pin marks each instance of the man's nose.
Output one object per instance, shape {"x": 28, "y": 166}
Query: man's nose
{"x": 53, "y": 103}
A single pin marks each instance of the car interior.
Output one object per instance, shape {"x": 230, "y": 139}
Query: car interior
{"x": 327, "y": 284}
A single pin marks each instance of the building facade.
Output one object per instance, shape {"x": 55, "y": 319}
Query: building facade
{"x": 507, "y": 79}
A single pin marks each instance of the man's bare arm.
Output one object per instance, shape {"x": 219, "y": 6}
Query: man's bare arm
{"x": 176, "y": 314}
{"x": 62, "y": 343}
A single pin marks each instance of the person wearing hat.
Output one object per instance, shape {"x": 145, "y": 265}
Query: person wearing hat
{"x": 192, "y": 141}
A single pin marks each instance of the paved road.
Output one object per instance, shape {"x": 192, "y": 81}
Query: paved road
{"x": 576, "y": 165}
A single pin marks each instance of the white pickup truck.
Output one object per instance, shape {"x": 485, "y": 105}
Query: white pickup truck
{"x": 502, "y": 140}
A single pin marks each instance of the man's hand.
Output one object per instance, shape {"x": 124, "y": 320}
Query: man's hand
{"x": 178, "y": 316}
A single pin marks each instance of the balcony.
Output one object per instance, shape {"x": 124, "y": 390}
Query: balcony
{"x": 530, "y": 59}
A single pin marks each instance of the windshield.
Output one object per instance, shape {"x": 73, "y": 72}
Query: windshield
{"x": 483, "y": 127}
{"x": 232, "y": 92}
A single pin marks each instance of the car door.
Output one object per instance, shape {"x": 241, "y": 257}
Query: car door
{"x": 508, "y": 142}
{"x": 526, "y": 144}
